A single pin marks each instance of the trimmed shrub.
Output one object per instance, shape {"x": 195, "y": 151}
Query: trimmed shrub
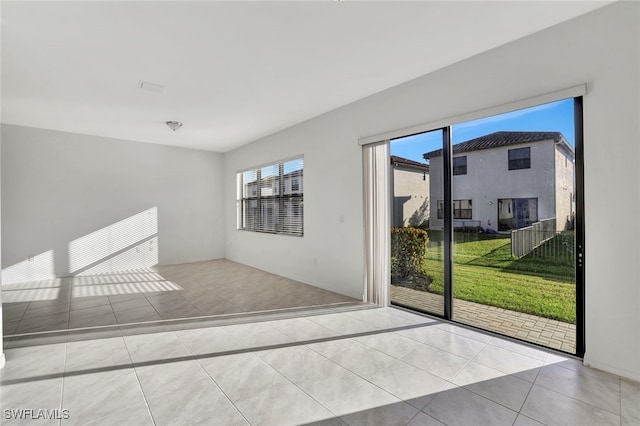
{"x": 408, "y": 251}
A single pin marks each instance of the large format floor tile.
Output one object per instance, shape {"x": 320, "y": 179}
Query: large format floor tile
{"x": 314, "y": 368}
{"x": 187, "y": 405}
{"x": 508, "y": 390}
{"x": 164, "y": 293}
{"x": 34, "y": 362}
{"x": 509, "y": 362}
{"x": 435, "y": 361}
{"x": 155, "y": 346}
{"x": 281, "y": 404}
{"x": 391, "y": 344}
{"x": 249, "y": 376}
{"x": 450, "y": 342}
{"x": 552, "y": 408}
{"x": 138, "y": 415}
{"x": 601, "y": 392}
{"x": 459, "y": 406}
{"x": 96, "y": 395}
{"x": 44, "y": 394}
{"x": 96, "y": 354}
{"x": 409, "y": 383}
{"x": 630, "y": 406}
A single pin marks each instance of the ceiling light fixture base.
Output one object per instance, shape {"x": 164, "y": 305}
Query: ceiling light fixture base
{"x": 174, "y": 125}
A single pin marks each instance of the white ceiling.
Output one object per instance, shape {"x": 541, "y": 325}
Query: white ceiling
{"x": 234, "y": 71}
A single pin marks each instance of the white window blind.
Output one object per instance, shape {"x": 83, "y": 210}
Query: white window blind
{"x": 270, "y": 198}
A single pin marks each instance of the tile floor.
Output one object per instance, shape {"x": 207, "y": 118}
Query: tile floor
{"x": 167, "y": 292}
{"x": 355, "y": 366}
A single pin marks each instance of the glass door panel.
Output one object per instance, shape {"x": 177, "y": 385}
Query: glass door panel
{"x": 417, "y": 220}
{"x": 514, "y": 209}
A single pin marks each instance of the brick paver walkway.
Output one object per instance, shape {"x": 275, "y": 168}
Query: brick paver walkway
{"x": 551, "y": 333}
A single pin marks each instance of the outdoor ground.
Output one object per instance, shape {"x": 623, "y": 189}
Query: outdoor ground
{"x": 542, "y": 283}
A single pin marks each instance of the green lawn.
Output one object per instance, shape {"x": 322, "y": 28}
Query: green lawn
{"x": 541, "y": 283}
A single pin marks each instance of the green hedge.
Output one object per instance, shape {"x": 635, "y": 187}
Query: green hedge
{"x": 408, "y": 251}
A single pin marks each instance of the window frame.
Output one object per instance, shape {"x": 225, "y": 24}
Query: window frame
{"x": 520, "y": 163}
{"x": 459, "y": 170}
{"x": 278, "y": 210}
{"x": 456, "y": 211}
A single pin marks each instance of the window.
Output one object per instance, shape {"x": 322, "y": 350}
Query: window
{"x": 520, "y": 158}
{"x": 462, "y": 209}
{"x": 460, "y": 165}
{"x": 270, "y": 198}
{"x": 516, "y": 213}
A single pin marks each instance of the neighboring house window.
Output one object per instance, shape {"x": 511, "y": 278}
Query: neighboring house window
{"x": 520, "y": 158}
{"x": 265, "y": 205}
{"x": 462, "y": 209}
{"x": 516, "y": 213}
{"x": 460, "y": 165}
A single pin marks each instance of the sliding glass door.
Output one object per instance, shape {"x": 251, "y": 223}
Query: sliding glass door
{"x": 496, "y": 203}
{"x": 417, "y": 240}
{"x": 514, "y": 224}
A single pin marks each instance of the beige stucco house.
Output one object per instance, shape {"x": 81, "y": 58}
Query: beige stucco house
{"x": 507, "y": 180}
{"x": 410, "y": 192}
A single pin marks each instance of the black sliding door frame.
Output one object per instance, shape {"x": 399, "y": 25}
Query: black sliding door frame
{"x": 447, "y": 167}
{"x": 579, "y": 226}
{"x": 448, "y": 238}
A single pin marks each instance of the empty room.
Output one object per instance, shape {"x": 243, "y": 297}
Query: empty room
{"x": 320, "y": 212}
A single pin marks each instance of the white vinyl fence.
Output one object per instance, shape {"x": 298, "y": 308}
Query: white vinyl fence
{"x": 525, "y": 240}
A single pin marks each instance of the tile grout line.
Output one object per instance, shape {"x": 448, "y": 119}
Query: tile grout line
{"x": 469, "y": 360}
{"x": 578, "y": 400}
{"x": 305, "y": 392}
{"x": 186, "y": 300}
{"x": 295, "y": 384}
{"x": 620, "y": 393}
{"x": 414, "y": 417}
{"x": 370, "y": 382}
{"x": 240, "y": 315}
{"x": 22, "y": 317}
{"x": 330, "y": 360}
{"x": 532, "y": 385}
{"x": 197, "y": 359}
{"x": 64, "y": 370}
{"x": 411, "y": 365}
{"x": 144, "y": 396}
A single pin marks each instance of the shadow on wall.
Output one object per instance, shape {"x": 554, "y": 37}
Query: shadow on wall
{"x": 420, "y": 218}
{"x": 97, "y": 262}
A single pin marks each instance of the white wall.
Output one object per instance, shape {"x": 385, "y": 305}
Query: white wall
{"x": 601, "y": 49}
{"x": 2, "y": 358}
{"x": 58, "y": 187}
{"x": 333, "y": 191}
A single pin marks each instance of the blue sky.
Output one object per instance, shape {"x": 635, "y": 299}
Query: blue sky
{"x": 551, "y": 117}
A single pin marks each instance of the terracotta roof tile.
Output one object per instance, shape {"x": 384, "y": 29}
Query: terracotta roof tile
{"x": 498, "y": 139}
